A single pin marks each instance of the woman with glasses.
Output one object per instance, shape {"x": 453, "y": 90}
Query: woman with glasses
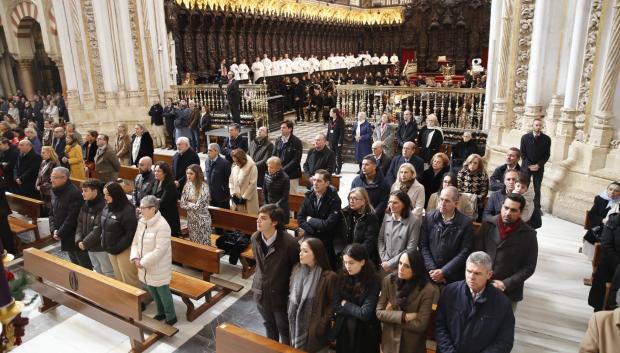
{"x": 466, "y": 204}
{"x": 359, "y": 224}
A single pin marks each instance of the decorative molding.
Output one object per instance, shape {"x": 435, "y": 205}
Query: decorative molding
{"x": 20, "y": 11}
{"x": 137, "y": 46}
{"x": 92, "y": 46}
{"x": 590, "y": 52}
{"x": 523, "y": 60}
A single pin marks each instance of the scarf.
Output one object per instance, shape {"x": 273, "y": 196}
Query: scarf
{"x": 403, "y": 290}
{"x": 506, "y": 229}
{"x": 610, "y": 202}
{"x": 304, "y": 281}
{"x": 405, "y": 186}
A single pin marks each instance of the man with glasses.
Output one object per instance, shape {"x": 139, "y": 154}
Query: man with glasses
{"x": 217, "y": 173}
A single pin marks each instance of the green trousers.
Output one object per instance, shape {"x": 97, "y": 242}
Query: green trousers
{"x": 163, "y": 299}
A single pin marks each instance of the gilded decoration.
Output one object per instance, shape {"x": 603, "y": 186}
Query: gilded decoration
{"x": 302, "y": 9}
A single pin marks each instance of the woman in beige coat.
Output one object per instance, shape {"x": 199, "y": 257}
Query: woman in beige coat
{"x": 406, "y": 305}
{"x": 242, "y": 183}
{"x": 123, "y": 144}
{"x": 408, "y": 184}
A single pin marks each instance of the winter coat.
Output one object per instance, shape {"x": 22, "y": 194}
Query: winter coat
{"x": 609, "y": 268}
{"x": 406, "y": 133}
{"x": 363, "y": 146}
{"x": 335, "y": 133}
{"x": 123, "y": 144}
{"x": 410, "y": 337}
{"x": 324, "y": 159}
{"x": 276, "y": 189}
{"x": 260, "y": 151}
{"x": 145, "y": 149}
{"x": 27, "y": 171}
{"x": 89, "y": 224}
{"x": 323, "y": 310}
{"x": 397, "y": 237}
{"x": 378, "y": 191}
{"x": 143, "y": 186}
{"x": 497, "y": 178}
{"x": 323, "y": 223}
{"x": 417, "y": 162}
{"x": 242, "y": 183}
{"x": 168, "y": 196}
{"x": 416, "y": 193}
{"x": 180, "y": 162}
{"x": 432, "y": 182}
{"x": 73, "y": 153}
{"x": 107, "y": 165}
{"x": 117, "y": 229}
{"x": 387, "y": 136}
{"x": 290, "y": 154}
{"x": 151, "y": 244}
{"x": 364, "y": 230}
{"x": 66, "y": 203}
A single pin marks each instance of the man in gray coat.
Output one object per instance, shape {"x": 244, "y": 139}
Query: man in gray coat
{"x": 260, "y": 150}
{"x": 107, "y": 164}
{"x": 183, "y": 119}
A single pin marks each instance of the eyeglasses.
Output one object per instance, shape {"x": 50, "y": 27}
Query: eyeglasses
{"x": 145, "y": 207}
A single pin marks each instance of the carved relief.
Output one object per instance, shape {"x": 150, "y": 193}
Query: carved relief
{"x": 93, "y": 52}
{"x": 523, "y": 60}
{"x": 590, "y": 52}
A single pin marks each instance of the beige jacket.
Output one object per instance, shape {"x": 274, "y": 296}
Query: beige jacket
{"x": 415, "y": 193}
{"x": 242, "y": 182}
{"x": 151, "y": 244}
{"x": 603, "y": 334}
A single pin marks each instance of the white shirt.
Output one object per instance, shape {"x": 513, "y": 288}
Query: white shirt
{"x": 135, "y": 148}
{"x": 306, "y": 66}
{"x": 234, "y": 68}
{"x": 383, "y": 60}
{"x": 268, "y": 66}
{"x": 244, "y": 70}
{"x": 394, "y": 59}
{"x": 288, "y": 66}
{"x": 296, "y": 66}
{"x": 271, "y": 240}
{"x": 258, "y": 69}
{"x": 316, "y": 65}
{"x": 324, "y": 65}
{"x": 374, "y": 60}
{"x": 275, "y": 68}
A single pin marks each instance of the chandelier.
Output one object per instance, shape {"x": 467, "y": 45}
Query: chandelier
{"x": 302, "y": 9}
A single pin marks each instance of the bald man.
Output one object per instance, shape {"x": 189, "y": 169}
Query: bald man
{"x": 27, "y": 170}
{"x": 143, "y": 184}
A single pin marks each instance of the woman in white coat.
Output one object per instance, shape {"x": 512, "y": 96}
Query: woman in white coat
{"x": 151, "y": 253}
{"x": 242, "y": 183}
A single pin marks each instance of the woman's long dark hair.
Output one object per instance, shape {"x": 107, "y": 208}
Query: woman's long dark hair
{"x": 355, "y": 286}
{"x": 419, "y": 280}
{"x": 320, "y": 254}
{"x": 453, "y": 180}
{"x": 404, "y": 198}
{"x": 165, "y": 167}
{"x": 119, "y": 199}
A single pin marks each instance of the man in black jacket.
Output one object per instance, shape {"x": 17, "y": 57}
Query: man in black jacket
{"x": 59, "y": 142}
{"x": 8, "y": 159}
{"x": 372, "y": 179}
{"x": 383, "y": 161}
{"x": 298, "y": 92}
{"x": 170, "y": 114}
{"x": 261, "y": 149}
{"x": 407, "y": 130}
{"x": 512, "y": 162}
{"x": 184, "y": 157}
{"x": 289, "y": 149}
{"x": 335, "y": 135}
{"x": 319, "y": 157}
{"x": 535, "y": 151}
{"x": 217, "y": 173}
{"x": 233, "y": 95}
{"x": 157, "y": 122}
{"x": 233, "y": 141}
{"x": 406, "y": 157}
{"x": 446, "y": 239}
{"x": 316, "y": 103}
{"x": 27, "y": 170}
{"x": 143, "y": 184}
{"x": 320, "y": 213}
{"x": 66, "y": 203}
{"x": 512, "y": 245}
{"x": 494, "y": 204}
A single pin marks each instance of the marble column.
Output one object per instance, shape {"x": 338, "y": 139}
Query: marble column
{"x": 533, "y": 104}
{"x": 494, "y": 42}
{"x": 565, "y": 128}
{"x": 24, "y": 70}
{"x": 499, "y": 115}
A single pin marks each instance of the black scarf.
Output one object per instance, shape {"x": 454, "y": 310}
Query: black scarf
{"x": 403, "y": 290}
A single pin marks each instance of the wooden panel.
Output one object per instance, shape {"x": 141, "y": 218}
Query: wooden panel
{"x": 117, "y": 297}
{"x": 19, "y": 226}
{"x": 162, "y": 158}
{"x": 233, "y": 339}
{"x": 233, "y": 220}
{"x": 128, "y": 173}
{"x": 192, "y": 287}
{"x": 198, "y": 256}
{"x": 295, "y": 200}
{"x": 25, "y": 205}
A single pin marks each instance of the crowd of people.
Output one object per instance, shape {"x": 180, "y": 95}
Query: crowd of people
{"x": 365, "y": 275}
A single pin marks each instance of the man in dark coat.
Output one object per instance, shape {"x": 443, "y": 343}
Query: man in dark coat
{"x": 374, "y": 182}
{"x": 27, "y": 170}
{"x": 289, "y": 149}
{"x": 217, "y": 173}
{"x": 234, "y": 141}
{"x": 59, "y": 142}
{"x": 184, "y": 157}
{"x": 406, "y": 157}
{"x": 535, "y": 151}
{"x": 8, "y": 159}
{"x": 512, "y": 246}
{"x": 473, "y": 316}
{"x": 319, "y": 215}
{"x": 446, "y": 239}
{"x": 233, "y": 95}
{"x": 143, "y": 184}
{"x": 298, "y": 92}
{"x": 157, "y": 122}
{"x": 383, "y": 161}
{"x": 512, "y": 162}
{"x": 407, "y": 129}
{"x": 170, "y": 114}
{"x": 261, "y": 149}
{"x": 66, "y": 203}
{"x": 335, "y": 135}
{"x": 319, "y": 157}
{"x": 38, "y": 114}
{"x": 495, "y": 202}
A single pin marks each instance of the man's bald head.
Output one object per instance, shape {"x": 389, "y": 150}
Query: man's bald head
{"x": 145, "y": 164}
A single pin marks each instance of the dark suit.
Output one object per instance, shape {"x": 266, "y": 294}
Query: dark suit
{"x": 406, "y": 132}
{"x": 290, "y": 154}
{"x": 435, "y": 142}
{"x": 156, "y": 113}
{"x": 5, "y": 229}
{"x": 392, "y": 174}
{"x": 59, "y": 147}
{"x": 231, "y": 144}
{"x": 217, "y": 175}
{"x": 233, "y": 95}
{"x": 180, "y": 162}
{"x": 170, "y": 114}
{"x": 27, "y": 171}
{"x": 535, "y": 150}
{"x": 383, "y": 163}
{"x": 145, "y": 150}
{"x": 497, "y": 178}
{"x": 299, "y": 98}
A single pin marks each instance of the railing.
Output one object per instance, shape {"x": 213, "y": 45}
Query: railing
{"x": 455, "y": 108}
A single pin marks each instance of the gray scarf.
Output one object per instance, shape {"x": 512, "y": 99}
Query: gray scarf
{"x": 304, "y": 281}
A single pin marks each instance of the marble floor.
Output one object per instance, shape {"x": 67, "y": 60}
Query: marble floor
{"x": 552, "y": 317}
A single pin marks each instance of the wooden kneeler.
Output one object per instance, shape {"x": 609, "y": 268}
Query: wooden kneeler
{"x": 106, "y": 300}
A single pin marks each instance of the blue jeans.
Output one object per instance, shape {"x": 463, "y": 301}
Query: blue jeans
{"x": 194, "y": 140}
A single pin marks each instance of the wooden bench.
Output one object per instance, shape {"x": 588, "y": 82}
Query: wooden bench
{"x": 295, "y": 200}
{"x": 162, "y": 158}
{"x": 232, "y": 339}
{"x": 111, "y": 302}
{"x": 207, "y": 260}
{"x": 28, "y": 207}
{"x": 335, "y": 182}
{"x": 128, "y": 174}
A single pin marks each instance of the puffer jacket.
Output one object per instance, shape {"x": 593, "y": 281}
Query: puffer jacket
{"x": 117, "y": 229}
{"x": 365, "y": 231}
{"x": 89, "y": 224}
{"x": 276, "y": 189}
{"x": 151, "y": 244}
{"x": 66, "y": 202}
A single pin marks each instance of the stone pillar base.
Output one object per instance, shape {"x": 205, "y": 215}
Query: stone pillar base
{"x": 531, "y": 112}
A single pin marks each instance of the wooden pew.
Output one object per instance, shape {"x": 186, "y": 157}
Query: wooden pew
{"x": 28, "y": 207}
{"x": 295, "y": 200}
{"x": 111, "y": 302}
{"x": 128, "y": 175}
{"x": 162, "y": 158}
{"x": 207, "y": 260}
{"x": 335, "y": 182}
{"x": 232, "y": 339}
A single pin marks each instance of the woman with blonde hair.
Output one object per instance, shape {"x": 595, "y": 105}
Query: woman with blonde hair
{"x": 242, "y": 183}
{"x": 74, "y": 158}
{"x": 195, "y": 199}
{"x": 123, "y": 143}
{"x": 359, "y": 224}
{"x": 408, "y": 184}
{"x": 473, "y": 178}
{"x": 49, "y": 161}
{"x": 432, "y": 177}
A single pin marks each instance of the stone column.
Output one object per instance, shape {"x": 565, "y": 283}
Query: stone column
{"x": 494, "y": 42}
{"x": 565, "y": 128}
{"x": 499, "y": 114}
{"x": 602, "y": 130}
{"x": 24, "y": 71}
{"x": 533, "y": 105}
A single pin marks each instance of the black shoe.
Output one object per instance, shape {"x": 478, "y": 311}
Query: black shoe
{"x": 159, "y": 317}
{"x": 142, "y": 306}
{"x": 171, "y": 322}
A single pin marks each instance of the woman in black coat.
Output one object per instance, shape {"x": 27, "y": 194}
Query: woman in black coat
{"x": 357, "y": 329}
{"x": 166, "y": 191}
{"x": 359, "y": 225}
{"x": 433, "y": 176}
{"x": 141, "y": 145}
{"x": 276, "y": 186}
{"x": 601, "y": 206}
{"x": 609, "y": 268}
{"x": 335, "y": 135}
